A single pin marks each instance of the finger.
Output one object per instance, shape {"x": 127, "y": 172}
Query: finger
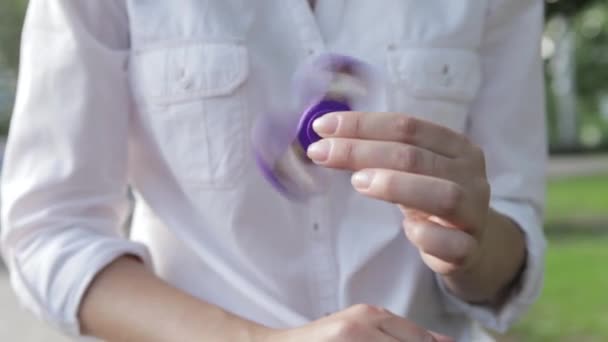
{"x": 362, "y": 324}
{"x": 360, "y": 332}
{"x": 355, "y": 331}
{"x": 356, "y": 154}
{"x": 404, "y": 330}
{"x": 447, "y": 244}
{"x": 393, "y": 127}
{"x": 390, "y": 325}
{"x": 442, "y": 338}
{"x": 413, "y": 214}
{"x": 384, "y": 337}
{"x": 435, "y": 196}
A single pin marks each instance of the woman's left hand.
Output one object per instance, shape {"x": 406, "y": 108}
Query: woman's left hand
{"x": 437, "y": 176}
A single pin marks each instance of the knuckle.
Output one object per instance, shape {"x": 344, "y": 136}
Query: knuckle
{"x": 357, "y": 128}
{"x": 463, "y": 146}
{"x": 406, "y": 127}
{"x": 479, "y": 156}
{"x": 437, "y": 167}
{"x": 426, "y": 337}
{"x": 466, "y": 142}
{"x": 407, "y": 158}
{"x": 365, "y": 310}
{"x": 484, "y": 189}
{"x": 462, "y": 248}
{"x": 450, "y": 269}
{"x": 479, "y": 153}
{"x": 388, "y": 185}
{"x": 415, "y": 233}
{"x": 344, "y": 155}
{"x": 384, "y": 312}
{"x": 453, "y": 196}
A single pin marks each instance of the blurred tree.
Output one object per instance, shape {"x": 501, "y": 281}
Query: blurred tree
{"x": 567, "y": 7}
{"x": 592, "y": 49}
{"x": 11, "y": 19}
{"x": 588, "y": 20}
{"x": 591, "y": 26}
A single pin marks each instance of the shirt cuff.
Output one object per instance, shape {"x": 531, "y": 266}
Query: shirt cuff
{"x": 75, "y": 274}
{"x": 526, "y": 291}
{"x": 107, "y": 254}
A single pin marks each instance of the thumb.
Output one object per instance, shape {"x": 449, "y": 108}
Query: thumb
{"x": 442, "y": 338}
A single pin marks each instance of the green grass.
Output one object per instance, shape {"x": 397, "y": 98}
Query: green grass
{"x": 581, "y": 197}
{"x": 574, "y": 302}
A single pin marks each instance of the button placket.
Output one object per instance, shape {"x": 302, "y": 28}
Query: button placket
{"x": 323, "y": 277}
{"x": 324, "y": 258}
{"x": 307, "y": 27}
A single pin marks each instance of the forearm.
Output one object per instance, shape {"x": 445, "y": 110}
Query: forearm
{"x": 126, "y": 302}
{"x": 502, "y": 256}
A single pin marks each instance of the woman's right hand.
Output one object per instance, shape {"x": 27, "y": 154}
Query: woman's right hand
{"x": 359, "y": 323}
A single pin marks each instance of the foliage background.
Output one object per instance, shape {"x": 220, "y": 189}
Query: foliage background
{"x": 11, "y": 19}
{"x": 589, "y": 19}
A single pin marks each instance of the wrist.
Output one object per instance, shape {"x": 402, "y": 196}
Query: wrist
{"x": 232, "y": 328}
{"x": 498, "y": 261}
{"x": 248, "y": 331}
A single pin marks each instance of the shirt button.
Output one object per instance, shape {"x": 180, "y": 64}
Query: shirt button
{"x": 315, "y": 227}
{"x": 187, "y": 83}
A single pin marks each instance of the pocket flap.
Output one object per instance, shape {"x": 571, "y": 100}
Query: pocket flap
{"x": 442, "y": 74}
{"x": 181, "y": 73}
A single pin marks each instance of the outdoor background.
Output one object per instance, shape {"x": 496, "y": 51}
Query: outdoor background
{"x": 574, "y": 304}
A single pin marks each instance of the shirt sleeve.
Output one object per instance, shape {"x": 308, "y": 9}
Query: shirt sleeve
{"x": 508, "y": 122}
{"x": 64, "y": 186}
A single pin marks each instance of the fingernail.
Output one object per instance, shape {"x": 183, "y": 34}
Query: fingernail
{"x": 326, "y": 125}
{"x": 362, "y": 180}
{"x": 319, "y": 151}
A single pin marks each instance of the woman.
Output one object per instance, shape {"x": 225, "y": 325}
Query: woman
{"x": 439, "y": 228}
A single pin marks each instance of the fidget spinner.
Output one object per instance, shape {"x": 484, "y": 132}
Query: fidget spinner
{"x": 326, "y": 83}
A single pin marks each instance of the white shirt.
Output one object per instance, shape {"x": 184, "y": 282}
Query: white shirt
{"x": 161, "y": 95}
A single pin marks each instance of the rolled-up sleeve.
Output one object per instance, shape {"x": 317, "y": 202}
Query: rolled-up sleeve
{"x": 64, "y": 186}
{"x": 508, "y": 122}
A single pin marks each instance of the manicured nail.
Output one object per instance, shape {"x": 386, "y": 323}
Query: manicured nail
{"x": 362, "y": 180}
{"x": 326, "y": 125}
{"x": 319, "y": 151}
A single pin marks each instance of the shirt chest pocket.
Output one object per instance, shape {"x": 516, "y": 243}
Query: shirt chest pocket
{"x": 194, "y": 101}
{"x": 434, "y": 84}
